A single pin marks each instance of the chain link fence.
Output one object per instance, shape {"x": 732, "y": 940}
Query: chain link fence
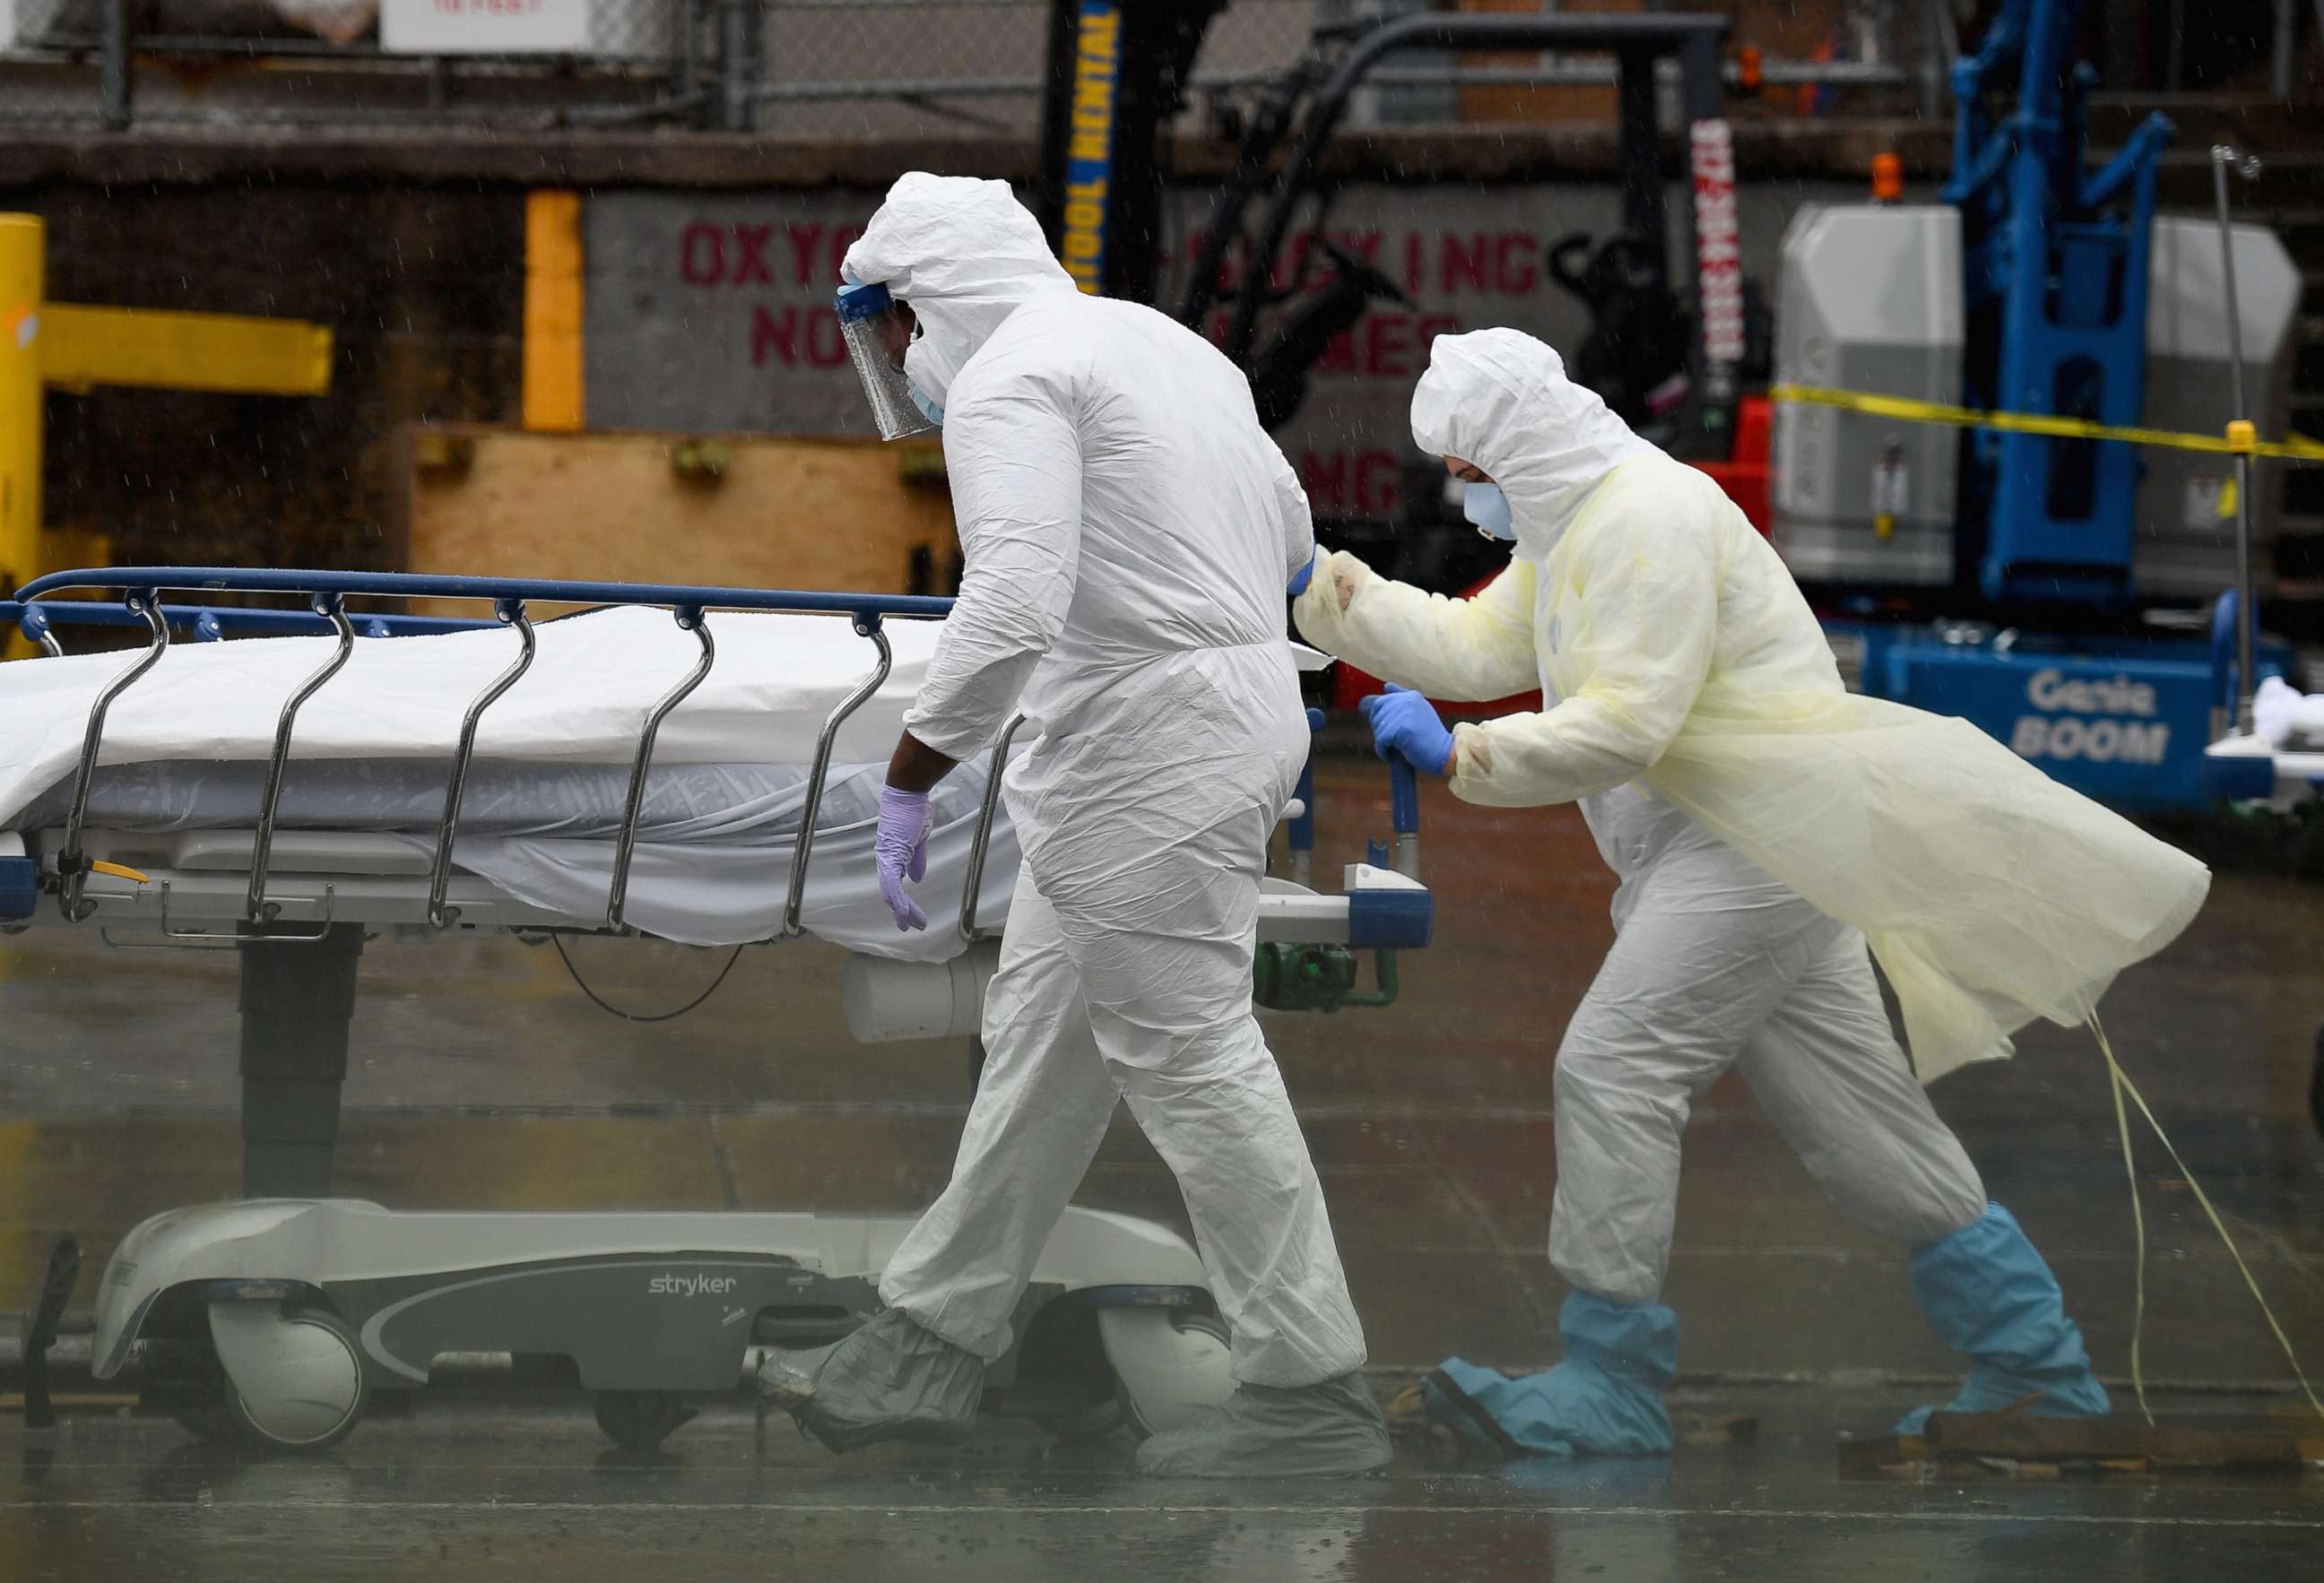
{"x": 848, "y": 69}
{"x": 244, "y": 63}
{"x": 871, "y": 67}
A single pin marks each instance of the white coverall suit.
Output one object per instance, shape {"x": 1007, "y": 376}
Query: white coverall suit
{"x": 1129, "y": 529}
{"x": 1715, "y": 964}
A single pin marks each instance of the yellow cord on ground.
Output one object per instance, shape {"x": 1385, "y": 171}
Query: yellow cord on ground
{"x": 2125, "y": 1086}
{"x": 2297, "y": 448}
{"x": 2138, "y": 1221}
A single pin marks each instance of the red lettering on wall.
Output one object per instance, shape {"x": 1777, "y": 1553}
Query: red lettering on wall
{"x": 1516, "y": 258}
{"x": 775, "y": 333}
{"x": 702, "y": 254}
{"x": 803, "y": 239}
{"x": 843, "y": 238}
{"x": 751, "y": 256}
{"x": 1352, "y": 483}
{"x": 826, "y": 347}
{"x": 1378, "y": 484}
{"x": 1461, "y": 260}
{"x": 1387, "y": 343}
{"x": 1427, "y": 328}
{"x": 794, "y": 335}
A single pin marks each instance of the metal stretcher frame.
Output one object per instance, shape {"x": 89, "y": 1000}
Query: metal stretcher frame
{"x": 298, "y": 972}
{"x": 326, "y": 594}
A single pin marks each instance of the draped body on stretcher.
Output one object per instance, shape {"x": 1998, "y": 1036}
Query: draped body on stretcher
{"x": 185, "y": 751}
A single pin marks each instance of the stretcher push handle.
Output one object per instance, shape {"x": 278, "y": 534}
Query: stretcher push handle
{"x": 867, "y": 624}
{"x": 690, "y": 618}
{"x": 72, "y": 864}
{"x": 1403, "y": 795}
{"x": 1299, "y": 832}
{"x": 974, "y": 891}
{"x": 510, "y": 612}
{"x": 1403, "y": 814}
{"x": 332, "y": 609}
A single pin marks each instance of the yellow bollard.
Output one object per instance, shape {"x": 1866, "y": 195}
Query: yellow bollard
{"x": 553, "y": 289}
{"x": 23, "y": 251}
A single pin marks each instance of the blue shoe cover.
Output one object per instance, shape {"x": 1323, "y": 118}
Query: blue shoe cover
{"x": 1602, "y": 1399}
{"x": 1987, "y": 1292}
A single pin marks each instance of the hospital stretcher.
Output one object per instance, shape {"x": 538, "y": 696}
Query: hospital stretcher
{"x": 274, "y": 1319}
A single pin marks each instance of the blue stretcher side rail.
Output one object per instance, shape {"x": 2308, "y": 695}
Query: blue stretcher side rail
{"x": 323, "y": 589}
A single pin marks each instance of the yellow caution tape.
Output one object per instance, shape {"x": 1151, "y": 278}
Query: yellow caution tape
{"x": 2240, "y": 438}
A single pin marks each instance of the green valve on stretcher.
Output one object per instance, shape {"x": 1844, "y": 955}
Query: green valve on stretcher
{"x": 1292, "y": 977}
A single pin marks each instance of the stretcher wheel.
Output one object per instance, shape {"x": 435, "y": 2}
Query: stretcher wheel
{"x": 1170, "y": 1365}
{"x": 639, "y": 1420}
{"x": 294, "y": 1375}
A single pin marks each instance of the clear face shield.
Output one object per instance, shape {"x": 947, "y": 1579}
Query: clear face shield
{"x": 877, "y": 328}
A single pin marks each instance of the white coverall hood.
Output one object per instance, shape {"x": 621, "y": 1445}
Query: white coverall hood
{"x": 1500, "y": 399}
{"x": 965, "y": 255}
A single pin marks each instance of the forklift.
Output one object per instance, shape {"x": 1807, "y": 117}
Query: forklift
{"x": 1673, "y": 344}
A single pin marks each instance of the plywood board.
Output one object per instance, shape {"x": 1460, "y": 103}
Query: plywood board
{"x": 834, "y": 514}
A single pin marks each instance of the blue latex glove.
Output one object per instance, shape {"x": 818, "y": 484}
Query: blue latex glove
{"x": 1306, "y": 574}
{"x": 1403, "y": 721}
{"x": 901, "y": 851}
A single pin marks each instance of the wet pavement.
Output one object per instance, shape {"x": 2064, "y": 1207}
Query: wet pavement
{"x": 494, "y": 1494}
{"x": 482, "y": 1078}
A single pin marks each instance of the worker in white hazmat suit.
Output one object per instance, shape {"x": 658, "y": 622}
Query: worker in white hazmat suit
{"x": 1763, "y": 822}
{"x": 1128, "y": 533}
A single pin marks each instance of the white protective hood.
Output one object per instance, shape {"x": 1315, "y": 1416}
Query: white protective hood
{"x": 965, "y": 253}
{"x": 1500, "y": 400}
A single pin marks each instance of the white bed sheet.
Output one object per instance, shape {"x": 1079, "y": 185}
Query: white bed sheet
{"x": 714, "y": 859}
{"x": 583, "y": 702}
{"x": 713, "y": 864}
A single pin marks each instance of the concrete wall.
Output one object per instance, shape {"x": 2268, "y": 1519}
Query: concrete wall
{"x": 713, "y": 311}
{"x": 421, "y": 283}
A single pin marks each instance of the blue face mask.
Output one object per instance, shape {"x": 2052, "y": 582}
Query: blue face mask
{"x": 1485, "y": 505}
{"x": 931, "y": 411}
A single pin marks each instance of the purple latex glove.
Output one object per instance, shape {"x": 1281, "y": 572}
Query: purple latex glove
{"x": 1403, "y": 721}
{"x": 901, "y": 851}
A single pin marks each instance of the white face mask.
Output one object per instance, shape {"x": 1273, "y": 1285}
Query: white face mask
{"x": 1485, "y": 505}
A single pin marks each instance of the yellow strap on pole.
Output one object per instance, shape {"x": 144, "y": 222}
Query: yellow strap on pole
{"x": 2240, "y": 439}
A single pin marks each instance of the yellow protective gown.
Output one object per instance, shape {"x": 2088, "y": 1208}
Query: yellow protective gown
{"x": 1683, "y": 658}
